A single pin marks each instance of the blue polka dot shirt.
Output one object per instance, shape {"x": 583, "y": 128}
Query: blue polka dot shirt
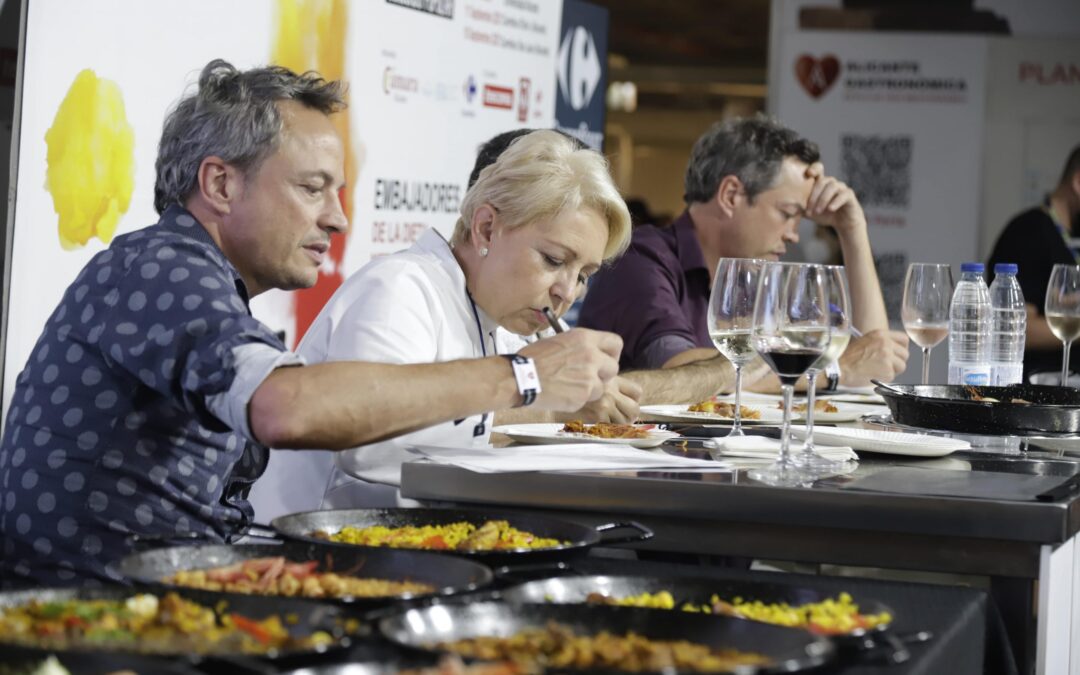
{"x": 109, "y": 432}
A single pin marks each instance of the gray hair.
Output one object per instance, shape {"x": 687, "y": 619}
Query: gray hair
{"x": 751, "y": 149}
{"x": 234, "y": 116}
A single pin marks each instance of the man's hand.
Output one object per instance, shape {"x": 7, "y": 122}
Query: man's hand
{"x": 833, "y": 203}
{"x": 574, "y": 367}
{"x": 880, "y": 354}
{"x": 618, "y": 405}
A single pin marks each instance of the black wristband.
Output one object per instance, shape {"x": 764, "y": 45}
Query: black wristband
{"x": 528, "y": 381}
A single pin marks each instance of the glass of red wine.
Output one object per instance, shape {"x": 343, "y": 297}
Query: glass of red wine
{"x": 792, "y": 329}
{"x": 928, "y": 290}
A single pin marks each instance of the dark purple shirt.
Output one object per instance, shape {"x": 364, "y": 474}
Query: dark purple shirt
{"x": 656, "y": 294}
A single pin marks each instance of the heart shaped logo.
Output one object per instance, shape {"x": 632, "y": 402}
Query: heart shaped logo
{"x": 817, "y": 75}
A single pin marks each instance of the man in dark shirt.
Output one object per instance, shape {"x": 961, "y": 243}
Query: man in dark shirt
{"x": 748, "y": 184}
{"x": 149, "y": 401}
{"x": 1036, "y": 240}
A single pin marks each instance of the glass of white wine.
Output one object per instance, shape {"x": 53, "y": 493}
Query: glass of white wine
{"x": 840, "y": 324}
{"x": 731, "y": 318}
{"x": 928, "y": 291}
{"x": 791, "y": 332}
{"x": 1063, "y": 309}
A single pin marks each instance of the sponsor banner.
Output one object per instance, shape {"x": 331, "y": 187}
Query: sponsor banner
{"x": 582, "y": 72}
{"x": 429, "y": 81}
{"x": 899, "y": 118}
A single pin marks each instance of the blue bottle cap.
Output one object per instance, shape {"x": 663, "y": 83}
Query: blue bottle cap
{"x": 1006, "y": 268}
{"x": 972, "y": 267}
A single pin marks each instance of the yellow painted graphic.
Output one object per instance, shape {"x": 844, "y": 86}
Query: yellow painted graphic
{"x": 91, "y": 161}
{"x": 310, "y": 35}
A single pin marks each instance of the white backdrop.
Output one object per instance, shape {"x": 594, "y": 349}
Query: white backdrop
{"x": 429, "y": 81}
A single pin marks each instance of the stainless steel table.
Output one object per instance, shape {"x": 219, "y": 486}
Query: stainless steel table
{"x": 1028, "y": 549}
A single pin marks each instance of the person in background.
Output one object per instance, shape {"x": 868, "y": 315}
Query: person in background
{"x": 748, "y": 184}
{"x": 151, "y": 397}
{"x": 537, "y": 223}
{"x": 1036, "y": 240}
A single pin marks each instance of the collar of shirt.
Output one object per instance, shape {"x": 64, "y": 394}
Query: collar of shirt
{"x": 179, "y": 220}
{"x": 689, "y": 250}
{"x": 431, "y": 241}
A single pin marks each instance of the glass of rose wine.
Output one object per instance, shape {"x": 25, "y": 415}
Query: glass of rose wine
{"x": 791, "y": 332}
{"x": 928, "y": 291}
{"x": 1063, "y": 310}
{"x": 731, "y": 316}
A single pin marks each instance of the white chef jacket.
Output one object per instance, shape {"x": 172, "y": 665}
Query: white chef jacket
{"x": 409, "y": 307}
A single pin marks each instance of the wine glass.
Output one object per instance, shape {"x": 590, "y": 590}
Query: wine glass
{"x": 791, "y": 331}
{"x": 731, "y": 318}
{"x": 839, "y": 298}
{"x": 928, "y": 291}
{"x": 1063, "y": 310}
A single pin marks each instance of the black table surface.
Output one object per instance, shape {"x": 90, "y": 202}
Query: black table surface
{"x": 934, "y": 507}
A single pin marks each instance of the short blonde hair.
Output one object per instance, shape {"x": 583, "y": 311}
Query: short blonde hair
{"x": 543, "y": 175}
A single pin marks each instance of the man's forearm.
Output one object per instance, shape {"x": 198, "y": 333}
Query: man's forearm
{"x": 867, "y": 303}
{"x": 687, "y": 383}
{"x": 345, "y": 404}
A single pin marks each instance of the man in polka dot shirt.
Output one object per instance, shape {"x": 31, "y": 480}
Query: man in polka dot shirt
{"x": 149, "y": 401}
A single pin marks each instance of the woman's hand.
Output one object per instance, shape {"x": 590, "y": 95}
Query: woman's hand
{"x": 618, "y": 405}
{"x": 574, "y": 367}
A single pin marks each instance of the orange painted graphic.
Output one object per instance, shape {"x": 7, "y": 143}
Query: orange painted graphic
{"x": 310, "y": 35}
{"x": 90, "y": 161}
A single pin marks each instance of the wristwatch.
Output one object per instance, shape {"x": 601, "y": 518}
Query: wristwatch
{"x": 832, "y": 376}
{"x": 528, "y": 381}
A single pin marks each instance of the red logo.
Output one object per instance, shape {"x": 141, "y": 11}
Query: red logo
{"x": 523, "y": 100}
{"x": 817, "y": 75}
{"x": 498, "y": 97}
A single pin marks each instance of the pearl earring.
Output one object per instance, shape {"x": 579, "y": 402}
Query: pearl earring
{"x": 483, "y": 251}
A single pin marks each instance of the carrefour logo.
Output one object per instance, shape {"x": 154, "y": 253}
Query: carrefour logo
{"x": 579, "y": 67}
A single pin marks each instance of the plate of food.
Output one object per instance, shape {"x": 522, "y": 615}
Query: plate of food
{"x": 713, "y": 410}
{"x": 829, "y": 410}
{"x": 636, "y": 435}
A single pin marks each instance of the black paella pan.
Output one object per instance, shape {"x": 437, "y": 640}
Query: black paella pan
{"x": 695, "y": 591}
{"x": 577, "y": 538}
{"x": 449, "y": 576}
{"x": 1018, "y": 408}
{"x": 788, "y": 649}
{"x": 300, "y": 618}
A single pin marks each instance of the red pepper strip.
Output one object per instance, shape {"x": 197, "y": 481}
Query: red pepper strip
{"x": 252, "y": 628}
{"x": 436, "y": 542}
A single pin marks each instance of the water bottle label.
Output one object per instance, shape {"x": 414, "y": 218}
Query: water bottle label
{"x": 976, "y": 376}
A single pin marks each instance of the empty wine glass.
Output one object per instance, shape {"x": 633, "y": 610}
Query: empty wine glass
{"x": 1063, "y": 310}
{"x": 839, "y": 305}
{"x": 731, "y": 318}
{"x": 791, "y": 331}
{"x": 928, "y": 291}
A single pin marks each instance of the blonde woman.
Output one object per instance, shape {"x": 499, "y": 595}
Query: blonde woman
{"x": 534, "y": 227}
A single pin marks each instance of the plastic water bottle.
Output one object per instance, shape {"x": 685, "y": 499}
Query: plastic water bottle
{"x": 1008, "y": 324}
{"x": 969, "y": 328}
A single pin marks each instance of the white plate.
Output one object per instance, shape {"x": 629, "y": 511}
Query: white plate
{"x": 887, "y": 442}
{"x": 770, "y": 414}
{"x": 845, "y": 412}
{"x": 553, "y": 433}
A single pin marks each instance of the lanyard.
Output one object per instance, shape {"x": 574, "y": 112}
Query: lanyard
{"x": 480, "y": 428}
{"x": 1061, "y": 230}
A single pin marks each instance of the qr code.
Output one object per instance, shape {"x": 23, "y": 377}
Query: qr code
{"x": 891, "y": 268}
{"x": 877, "y": 168}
